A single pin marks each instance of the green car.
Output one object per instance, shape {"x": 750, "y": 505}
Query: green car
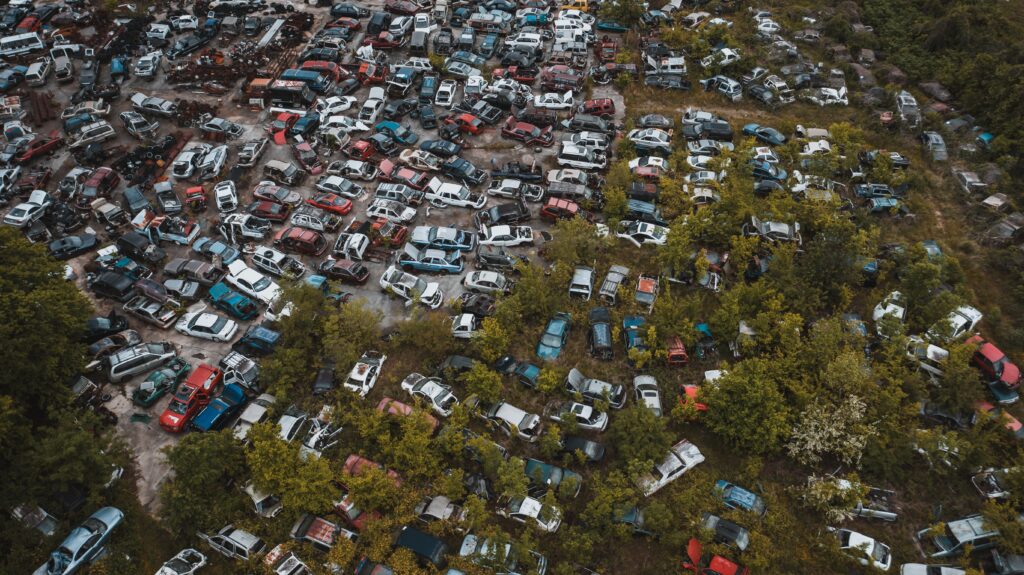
{"x": 158, "y": 383}
{"x": 611, "y": 26}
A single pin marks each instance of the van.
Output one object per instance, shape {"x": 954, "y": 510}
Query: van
{"x": 427, "y": 548}
{"x": 63, "y": 69}
{"x": 282, "y": 172}
{"x": 38, "y": 72}
{"x": 135, "y": 201}
{"x": 21, "y": 44}
{"x": 420, "y": 43}
{"x": 95, "y": 132}
{"x": 137, "y": 359}
{"x": 580, "y": 5}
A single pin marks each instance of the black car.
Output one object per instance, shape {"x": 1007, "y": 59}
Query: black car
{"x": 667, "y": 81}
{"x": 324, "y": 381}
{"x": 442, "y": 148}
{"x": 445, "y": 42}
{"x": 72, "y": 246}
{"x": 349, "y": 10}
{"x": 497, "y": 260}
{"x": 347, "y": 86}
{"x": 761, "y": 94}
{"x": 398, "y": 109}
{"x": 139, "y": 247}
{"x": 479, "y": 304}
{"x": 592, "y": 451}
{"x": 654, "y": 121}
{"x": 519, "y": 170}
{"x": 428, "y": 118}
{"x": 325, "y": 54}
{"x": 63, "y": 218}
{"x": 99, "y": 327}
{"x": 383, "y": 144}
{"x": 187, "y": 45}
{"x": 252, "y": 25}
{"x": 463, "y": 169}
{"x": 512, "y": 213}
{"x": 486, "y": 112}
{"x": 938, "y": 415}
{"x": 714, "y": 130}
{"x": 114, "y": 286}
{"x": 599, "y": 338}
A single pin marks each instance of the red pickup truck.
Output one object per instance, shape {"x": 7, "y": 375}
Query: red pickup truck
{"x": 191, "y": 397}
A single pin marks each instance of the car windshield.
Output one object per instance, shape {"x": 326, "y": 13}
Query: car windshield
{"x": 420, "y": 286}
{"x": 218, "y": 325}
{"x": 880, "y": 553}
{"x": 262, "y": 284}
{"x": 178, "y": 407}
{"x": 551, "y": 340}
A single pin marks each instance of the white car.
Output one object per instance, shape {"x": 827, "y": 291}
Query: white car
{"x": 372, "y": 107}
{"x": 424, "y": 23}
{"x": 24, "y": 214}
{"x": 432, "y": 391}
{"x": 420, "y": 159}
{"x": 863, "y": 548}
{"x": 525, "y": 509}
{"x": 252, "y": 283}
{"x": 820, "y": 147}
{"x": 922, "y": 569}
{"x": 699, "y": 162}
{"x": 206, "y": 325}
{"x": 186, "y": 562}
{"x": 256, "y": 412}
{"x": 226, "y": 196}
{"x": 651, "y": 139}
{"x": 411, "y": 288}
{"x": 447, "y": 194}
{"x": 445, "y": 96}
{"x": 184, "y": 22}
{"x": 640, "y": 233}
{"x": 768, "y": 27}
{"x": 647, "y": 393}
{"x": 775, "y": 83}
{"x": 648, "y": 162}
{"x": 391, "y": 210}
{"x": 487, "y": 282}
{"x": 339, "y": 185}
{"x": 465, "y": 326}
{"x": 365, "y": 372}
{"x": 187, "y": 161}
{"x": 525, "y": 40}
{"x": 506, "y": 236}
{"x": 353, "y": 169}
{"x": 894, "y": 305}
{"x": 704, "y": 177}
{"x": 764, "y": 154}
{"x": 343, "y": 123}
{"x": 474, "y": 85}
{"x": 681, "y": 458}
{"x": 335, "y": 105}
{"x": 580, "y": 15}
{"x": 555, "y": 101}
{"x": 212, "y": 163}
{"x": 585, "y": 416}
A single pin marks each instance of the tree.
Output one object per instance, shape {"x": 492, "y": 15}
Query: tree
{"x": 1005, "y": 518}
{"x": 959, "y": 389}
{"x": 484, "y": 382}
{"x": 492, "y": 341}
{"x": 203, "y": 464}
{"x": 347, "y": 332}
{"x": 425, "y": 332}
{"x": 836, "y": 430}
{"x": 412, "y": 453}
{"x": 625, "y": 12}
{"x": 42, "y": 320}
{"x": 640, "y": 435}
{"x": 833, "y": 497}
{"x": 746, "y": 407}
{"x": 278, "y": 467}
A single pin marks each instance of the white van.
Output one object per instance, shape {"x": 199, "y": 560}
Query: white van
{"x": 21, "y": 44}
{"x": 38, "y": 72}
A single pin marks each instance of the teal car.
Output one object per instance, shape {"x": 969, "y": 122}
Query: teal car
{"x": 555, "y": 334}
{"x": 544, "y": 476}
{"x": 611, "y": 26}
{"x": 159, "y": 382}
{"x": 736, "y": 497}
{"x": 232, "y": 303}
{"x": 397, "y": 132}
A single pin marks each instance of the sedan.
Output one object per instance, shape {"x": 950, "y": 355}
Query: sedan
{"x": 210, "y": 248}
{"x": 584, "y": 416}
{"x": 186, "y": 562}
{"x": 442, "y": 148}
{"x": 331, "y": 202}
{"x": 346, "y": 271}
{"x": 72, "y": 246}
{"x": 487, "y": 282}
{"x": 443, "y": 238}
{"x": 764, "y": 134}
{"x": 525, "y": 509}
{"x": 430, "y": 260}
{"x": 640, "y": 233}
{"x": 206, "y": 325}
{"x": 432, "y": 391}
{"x": 553, "y": 339}
{"x": 397, "y": 132}
{"x": 506, "y": 236}
{"x": 84, "y": 543}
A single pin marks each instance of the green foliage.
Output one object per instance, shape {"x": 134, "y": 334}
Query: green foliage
{"x": 204, "y": 464}
{"x": 960, "y": 389}
{"x": 483, "y": 381}
{"x": 492, "y": 341}
{"x": 747, "y": 408}
{"x": 302, "y": 482}
{"x": 640, "y": 435}
{"x": 1005, "y": 518}
{"x": 625, "y": 12}
{"x": 347, "y": 332}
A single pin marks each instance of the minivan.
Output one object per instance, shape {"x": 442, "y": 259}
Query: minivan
{"x": 427, "y": 548}
{"x": 138, "y": 359}
{"x": 38, "y": 72}
{"x": 95, "y": 132}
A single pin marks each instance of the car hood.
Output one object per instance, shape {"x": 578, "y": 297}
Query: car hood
{"x": 171, "y": 420}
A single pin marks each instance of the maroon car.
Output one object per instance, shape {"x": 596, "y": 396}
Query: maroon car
{"x": 267, "y": 190}
{"x": 401, "y": 7}
{"x": 268, "y": 210}
{"x": 307, "y": 156}
{"x": 346, "y": 271}
{"x": 527, "y": 133}
{"x": 301, "y": 240}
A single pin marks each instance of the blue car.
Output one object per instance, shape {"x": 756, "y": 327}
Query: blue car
{"x": 306, "y": 125}
{"x": 83, "y": 544}
{"x": 11, "y": 77}
{"x": 489, "y": 44}
{"x": 555, "y": 334}
{"x": 736, "y": 497}
{"x": 611, "y": 26}
{"x": 258, "y": 341}
{"x": 215, "y": 416}
{"x": 397, "y": 132}
{"x": 232, "y": 303}
{"x": 767, "y": 171}
{"x": 527, "y": 374}
{"x": 430, "y": 260}
{"x": 633, "y": 328}
{"x": 443, "y": 238}
{"x": 764, "y": 134}
{"x": 209, "y": 247}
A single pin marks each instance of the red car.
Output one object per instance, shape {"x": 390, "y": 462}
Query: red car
{"x": 34, "y": 180}
{"x": 714, "y": 565}
{"x": 351, "y": 513}
{"x": 1011, "y": 423}
{"x": 385, "y": 41}
{"x": 676, "y": 352}
{"x": 527, "y": 133}
{"x": 401, "y": 7}
{"x": 301, "y": 240}
{"x": 603, "y": 107}
{"x": 268, "y": 210}
{"x": 560, "y": 77}
{"x": 281, "y": 124}
{"x": 524, "y": 75}
{"x": 307, "y": 156}
{"x": 994, "y": 363}
{"x": 99, "y": 185}
{"x": 369, "y": 74}
{"x": 332, "y": 69}
{"x": 344, "y": 270}
{"x": 606, "y": 50}
{"x": 359, "y": 150}
{"x": 345, "y": 22}
{"x": 562, "y": 209}
{"x": 29, "y": 24}
{"x": 392, "y": 172}
{"x": 331, "y": 202}
{"x": 467, "y": 123}
{"x": 40, "y": 145}
{"x": 191, "y": 397}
